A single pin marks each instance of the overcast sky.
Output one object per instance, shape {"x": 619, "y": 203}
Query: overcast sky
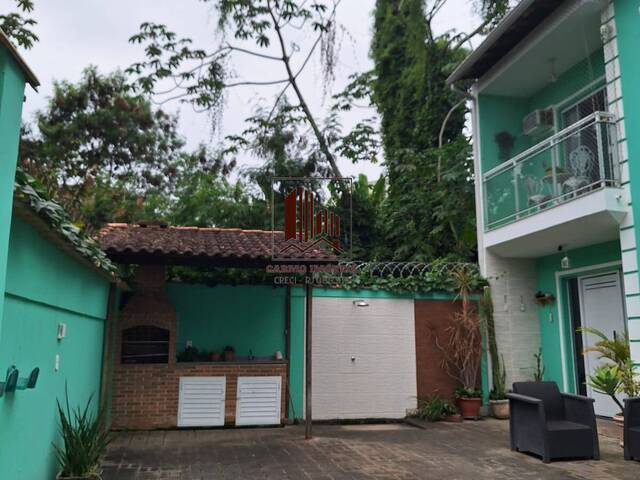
{"x": 77, "y": 33}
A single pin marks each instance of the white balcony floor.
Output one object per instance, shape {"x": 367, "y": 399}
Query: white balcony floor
{"x": 590, "y": 218}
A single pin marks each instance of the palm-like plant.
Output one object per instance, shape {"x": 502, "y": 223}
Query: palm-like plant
{"x": 606, "y": 379}
{"x": 618, "y": 351}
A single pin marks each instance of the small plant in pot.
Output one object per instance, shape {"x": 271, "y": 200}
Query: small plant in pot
{"x": 461, "y": 353}
{"x": 619, "y": 376}
{"x": 498, "y": 402}
{"x": 450, "y": 413}
{"x": 84, "y": 441}
{"x": 469, "y": 402}
{"x": 229, "y": 353}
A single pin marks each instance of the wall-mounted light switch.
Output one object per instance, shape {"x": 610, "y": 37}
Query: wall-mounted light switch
{"x": 56, "y": 366}
{"x": 62, "y": 330}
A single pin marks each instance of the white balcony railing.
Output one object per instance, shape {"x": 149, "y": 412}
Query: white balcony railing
{"x": 573, "y": 162}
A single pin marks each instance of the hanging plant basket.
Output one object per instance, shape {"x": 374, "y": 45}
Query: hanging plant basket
{"x": 544, "y": 298}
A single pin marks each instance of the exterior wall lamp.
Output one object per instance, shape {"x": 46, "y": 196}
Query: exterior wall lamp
{"x": 360, "y": 303}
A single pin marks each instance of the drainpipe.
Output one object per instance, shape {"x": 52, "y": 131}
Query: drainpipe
{"x": 473, "y": 97}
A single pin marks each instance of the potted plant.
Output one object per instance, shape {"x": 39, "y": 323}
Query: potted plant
{"x": 450, "y": 413}
{"x": 461, "y": 354}
{"x": 616, "y": 377}
{"x": 542, "y": 298}
{"x": 228, "y": 353}
{"x": 498, "y": 402}
{"x": 84, "y": 441}
{"x": 189, "y": 354}
{"x": 469, "y": 402}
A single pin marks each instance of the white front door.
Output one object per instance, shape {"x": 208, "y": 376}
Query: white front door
{"x": 602, "y": 308}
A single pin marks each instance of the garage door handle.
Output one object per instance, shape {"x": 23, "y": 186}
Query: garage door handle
{"x": 353, "y": 359}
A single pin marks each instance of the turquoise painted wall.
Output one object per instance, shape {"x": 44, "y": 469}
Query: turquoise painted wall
{"x": 547, "y": 267}
{"x": 12, "y": 83}
{"x": 628, "y": 36}
{"x": 296, "y": 404}
{"x": 245, "y": 317}
{"x": 501, "y": 113}
{"x": 46, "y": 287}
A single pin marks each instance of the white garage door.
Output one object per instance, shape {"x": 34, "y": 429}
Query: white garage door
{"x": 258, "y": 401}
{"x": 201, "y": 401}
{"x": 364, "y": 358}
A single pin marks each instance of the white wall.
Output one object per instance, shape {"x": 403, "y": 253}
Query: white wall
{"x": 381, "y": 381}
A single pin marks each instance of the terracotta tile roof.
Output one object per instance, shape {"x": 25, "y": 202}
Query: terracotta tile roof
{"x": 159, "y": 243}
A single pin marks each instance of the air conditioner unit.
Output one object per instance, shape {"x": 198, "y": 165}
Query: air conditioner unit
{"x": 538, "y": 121}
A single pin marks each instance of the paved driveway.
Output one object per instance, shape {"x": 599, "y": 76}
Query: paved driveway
{"x": 471, "y": 450}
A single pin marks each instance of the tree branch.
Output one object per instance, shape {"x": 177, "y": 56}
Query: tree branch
{"x": 472, "y": 34}
{"x": 303, "y": 104}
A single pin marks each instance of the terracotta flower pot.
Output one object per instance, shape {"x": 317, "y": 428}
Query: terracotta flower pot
{"x": 229, "y": 356}
{"x": 618, "y": 420}
{"x": 470, "y": 407}
{"x": 455, "y": 418}
{"x": 216, "y": 356}
{"x": 499, "y": 408}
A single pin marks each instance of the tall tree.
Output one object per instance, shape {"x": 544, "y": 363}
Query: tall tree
{"x": 429, "y": 211}
{"x": 174, "y": 69}
{"x": 100, "y": 149}
{"x": 18, "y": 25}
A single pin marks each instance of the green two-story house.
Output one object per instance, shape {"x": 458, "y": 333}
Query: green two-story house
{"x": 556, "y": 127}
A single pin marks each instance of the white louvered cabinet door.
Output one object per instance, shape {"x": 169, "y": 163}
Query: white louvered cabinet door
{"x": 258, "y": 401}
{"x": 201, "y": 401}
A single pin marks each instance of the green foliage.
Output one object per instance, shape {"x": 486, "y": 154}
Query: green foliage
{"x": 31, "y": 191}
{"x": 618, "y": 351}
{"x": 96, "y": 141}
{"x": 538, "y": 373}
{"x": 18, "y": 26}
{"x": 434, "y": 408}
{"x": 430, "y": 210}
{"x": 441, "y": 277}
{"x": 200, "y": 75}
{"x": 466, "y": 392}
{"x": 607, "y": 379}
{"x": 499, "y": 391}
{"x": 85, "y": 439}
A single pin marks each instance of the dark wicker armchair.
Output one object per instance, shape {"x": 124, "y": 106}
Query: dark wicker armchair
{"x": 632, "y": 428}
{"x": 551, "y": 424}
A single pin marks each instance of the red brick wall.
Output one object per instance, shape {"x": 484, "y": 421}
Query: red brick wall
{"x": 146, "y": 396}
{"x": 432, "y": 318}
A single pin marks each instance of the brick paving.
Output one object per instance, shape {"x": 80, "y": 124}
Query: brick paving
{"x": 471, "y": 450}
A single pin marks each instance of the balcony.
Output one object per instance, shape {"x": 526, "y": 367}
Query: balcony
{"x": 556, "y": 191}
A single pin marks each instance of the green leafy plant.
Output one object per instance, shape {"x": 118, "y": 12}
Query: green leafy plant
{"x": 606, "y": 379}
{"x": 434, "y": 408}
{"x": 84, "y": 437}
{"x": 620, "y": 372}
{"x": 31, "y": 192}
{"x": 499, "y": 391}
{"x": 538, "y": 373}
{"x": 431, "y": 408}
{"x": 462, "y": 352}
{"x": 463, "y": 392}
